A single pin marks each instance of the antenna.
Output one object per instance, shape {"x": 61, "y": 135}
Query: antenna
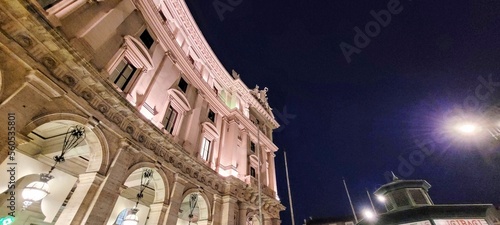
{"x": 289, "y": 191}
{"x": 371, "y": 202}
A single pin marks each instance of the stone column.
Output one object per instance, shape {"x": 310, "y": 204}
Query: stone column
{"x": 175, "y": 200}
{"x": 106, "y": 195}
{"x": 228, "y": 210}
{"x": 156, "y": 213}
{"x": 265, "y": 167}
{"x": 243, "y": 213}
{"x": 272, "y": 173}
{"x": 242, "y": 155}
{"x": 216, "y": 209}
{"x": 87, "y": 186}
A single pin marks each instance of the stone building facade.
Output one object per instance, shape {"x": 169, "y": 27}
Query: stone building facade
{"x": 142, "y": 81}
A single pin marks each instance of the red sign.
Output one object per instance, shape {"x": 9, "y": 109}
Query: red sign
{"x": 461, "y": 222}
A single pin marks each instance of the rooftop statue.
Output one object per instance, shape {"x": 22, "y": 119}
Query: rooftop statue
{"x": 235, "y": 75}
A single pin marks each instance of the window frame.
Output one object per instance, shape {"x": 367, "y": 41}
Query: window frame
{"x": 422, "y": 193}
{"x": 180, "y": 104}
{"x": 168, "y": 121}
{"x": 253, "y": 172}
{"x": 149, "y": 36}
{"x": 205, "y": 148}
{"x": 209, "y": 131}
{"x": 211, "y": 115}
{"x": 134, "y": 52}
{"x": 125, "y": 87}
{"x": 183, "y": 81}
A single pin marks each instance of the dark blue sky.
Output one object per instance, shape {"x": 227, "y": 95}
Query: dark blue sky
{"x": 358, "y": 120}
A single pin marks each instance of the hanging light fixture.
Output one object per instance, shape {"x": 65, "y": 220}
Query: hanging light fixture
{"x": 132, "y": 218}
{"x": 37, "y": 190}
{"x": 193, "y": 200}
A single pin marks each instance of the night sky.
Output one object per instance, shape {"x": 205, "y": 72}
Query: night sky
{"x": 429, "y": 65}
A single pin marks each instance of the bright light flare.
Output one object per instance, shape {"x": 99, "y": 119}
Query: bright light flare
{"x": 369, "y": 214}
{"x": 467, "y": 128}
{"x": 381, "y": 198}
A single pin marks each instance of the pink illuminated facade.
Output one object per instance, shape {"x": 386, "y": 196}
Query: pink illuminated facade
{"x": 141, "y": 79}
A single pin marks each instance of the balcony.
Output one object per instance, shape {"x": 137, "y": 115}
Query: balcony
{"x": 253, "y": 182}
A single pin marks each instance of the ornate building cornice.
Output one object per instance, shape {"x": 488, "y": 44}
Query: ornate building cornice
{"x": 201, "y": 46}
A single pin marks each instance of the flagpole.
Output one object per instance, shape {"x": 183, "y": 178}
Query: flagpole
{"x": 289, "y": 191}
{"x": 371, "y": 202}
{"x": 350, "y": 202}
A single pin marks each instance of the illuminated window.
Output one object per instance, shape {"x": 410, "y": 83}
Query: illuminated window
{"x": 183, "y": 85}
{"x": 211, "y": 115}
{"x": 122, "y": 74}
{"x": 169, "y": 120}
{"x": 205, "y": 149}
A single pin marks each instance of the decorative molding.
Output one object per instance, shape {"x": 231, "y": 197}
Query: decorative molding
{"x": 183, "y": 16}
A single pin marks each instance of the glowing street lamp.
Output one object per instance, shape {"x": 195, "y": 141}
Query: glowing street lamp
{"x": 369, "y": 214}
{"x": 472, "y": 128}
{"x": 381, "y": 198}
{"x": 467, "y": 128}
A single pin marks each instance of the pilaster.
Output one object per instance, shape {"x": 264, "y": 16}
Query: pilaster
{"x": 217, "y": 208}
{"x": 229, "y": 208}
{"x": 105, "y": 197}
{"x": 272, "y": 172}
{"x": 157, "y": 213}
{"x": 87, "y": 186}
{"x": 243, "y": 209}
{"x": 175, "y": 200}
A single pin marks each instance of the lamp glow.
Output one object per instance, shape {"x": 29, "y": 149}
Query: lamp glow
{"x": 37, "y": 190}
{"x": 132, "y": 218}
{"x": 467, "y": 128}
{"x": 381, "y": 198}
{"x": 369, "y": 214}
